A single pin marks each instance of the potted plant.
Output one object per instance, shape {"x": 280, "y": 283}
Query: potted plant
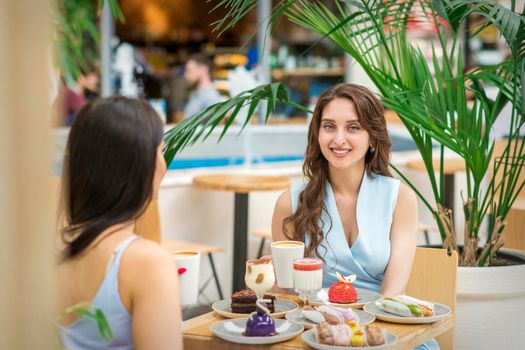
{"x": 430, "y": 96}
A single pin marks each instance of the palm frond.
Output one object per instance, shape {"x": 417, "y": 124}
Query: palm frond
{"x": 511, "y": 24}
{"x": 201, "y": 125}
{"x": 77, "y": 35}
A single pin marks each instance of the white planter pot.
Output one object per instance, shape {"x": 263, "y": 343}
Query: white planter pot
{"x": 490, "y": 310}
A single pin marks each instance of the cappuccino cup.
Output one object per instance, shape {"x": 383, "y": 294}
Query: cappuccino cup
{"x": 188, "y": 265}
{"x": 283, "y": 254}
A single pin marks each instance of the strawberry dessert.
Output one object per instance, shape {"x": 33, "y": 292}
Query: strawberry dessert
{"x": 342, "y": 291}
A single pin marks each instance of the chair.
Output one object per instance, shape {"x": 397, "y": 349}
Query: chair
{"x": 174, "y": 245}
{"x": 499, "y": 147}
{"x": 264, "y": 235}
{"x": 148, "y": 226}
{"x": 433, "y": 277}
{"x": 513, "y": 233}
{"x": 425, "y": 230}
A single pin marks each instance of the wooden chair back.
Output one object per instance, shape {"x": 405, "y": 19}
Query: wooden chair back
{"x": 514, "y": 231}
{"x": 433, "y": 278}
{"x": 148, "y": 224}
{"x": 499, "y": 147}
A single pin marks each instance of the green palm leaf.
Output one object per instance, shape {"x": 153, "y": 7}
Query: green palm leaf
{"x": 77, "y": 35}
{"x": 192, "y": 129}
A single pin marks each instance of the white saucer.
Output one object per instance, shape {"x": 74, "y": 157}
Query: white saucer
{"x": 440, "y": 311}
{"x": 309, "y": 338}
{"x": 364, "y": 296}
{"x": 282, "y": 306}
{"x": 232, "y": 331}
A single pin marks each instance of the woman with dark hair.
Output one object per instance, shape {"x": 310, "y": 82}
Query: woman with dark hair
{"x": 113, "y": 167}
{"x": 351, "y": 212}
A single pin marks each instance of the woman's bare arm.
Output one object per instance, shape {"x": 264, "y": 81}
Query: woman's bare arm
{"x": 403, "y": 239}
{"x": 156, "y": 311}
{"x": 282, "y": 210}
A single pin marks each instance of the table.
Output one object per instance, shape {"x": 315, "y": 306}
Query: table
{"x": 197, "y": 334}
{"x": 450, "y": 167}
{"x": 242, "y": 185}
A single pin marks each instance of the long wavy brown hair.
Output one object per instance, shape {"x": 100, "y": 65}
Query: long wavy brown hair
{"x": 307, "y": 217}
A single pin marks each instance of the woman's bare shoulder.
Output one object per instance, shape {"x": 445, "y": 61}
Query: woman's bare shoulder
{"x": 406, "y": 193}
{"x": 406, "y": 200}
{"x": 284, "y": 203}
{"x": 148, "y": 253}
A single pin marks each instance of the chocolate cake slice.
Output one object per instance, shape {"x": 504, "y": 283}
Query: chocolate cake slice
{"x": 243, "y": 302}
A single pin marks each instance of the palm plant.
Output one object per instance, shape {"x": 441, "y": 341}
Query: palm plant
{"x": 77, "y": 34}
{"x": 430, "y": 97}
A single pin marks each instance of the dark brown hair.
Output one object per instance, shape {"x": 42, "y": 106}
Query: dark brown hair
{"x": 109, "y": 166}
{"x": 306, "y": 218}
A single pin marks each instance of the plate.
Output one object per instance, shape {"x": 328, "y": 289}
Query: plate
{"x": 309, "y": 338}
{"x": 282, "y": 306}
{"x": 364, "y": 296}
{"x": 231, "y": 330}
{"x": 364, "y": 318}
{"x": 440, "y": 311}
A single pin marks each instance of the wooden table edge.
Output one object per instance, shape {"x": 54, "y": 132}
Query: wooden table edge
{"x": 275, "y": 183}
{"x": 437, "y": 328}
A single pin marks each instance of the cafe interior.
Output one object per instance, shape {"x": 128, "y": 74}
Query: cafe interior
{"x": 241, "y": 281}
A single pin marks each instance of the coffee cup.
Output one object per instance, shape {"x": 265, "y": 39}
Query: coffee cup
{"x": 188, "y": 265}
{"x": 283, "y": 254}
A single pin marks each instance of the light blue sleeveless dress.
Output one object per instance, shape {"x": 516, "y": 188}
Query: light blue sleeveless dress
{"x": 369, "y": 255}
{"x": 84, "y": 334}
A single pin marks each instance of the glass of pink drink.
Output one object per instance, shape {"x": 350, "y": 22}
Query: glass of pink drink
{"x": 307, "y": 277}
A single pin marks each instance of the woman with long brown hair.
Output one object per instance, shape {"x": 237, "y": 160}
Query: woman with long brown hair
{"x": 351, "y": 212}
{"x": 113, "y": 168}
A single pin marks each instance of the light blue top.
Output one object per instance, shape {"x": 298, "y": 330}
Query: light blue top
{"x": 369, "y": 254}
{"x": 84, "y": 334}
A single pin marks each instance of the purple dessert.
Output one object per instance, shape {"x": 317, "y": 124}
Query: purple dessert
{"x": 260, "y": 324}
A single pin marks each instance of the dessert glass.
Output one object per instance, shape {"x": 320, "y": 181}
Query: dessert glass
{"x": 307, "y": 277}
{"x": 260, "y": 276}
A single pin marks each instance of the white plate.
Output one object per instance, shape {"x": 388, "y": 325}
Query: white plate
{"x": 232, "y": 331}
{"x": 364, "y": 318}
{"x": 282, "y": 306}
{"x": 364, "y": 296}
{"x": 309, "y": 338}
{"x": 440, "y": 311}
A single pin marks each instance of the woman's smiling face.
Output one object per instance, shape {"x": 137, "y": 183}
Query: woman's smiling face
{"x": 342, "y": 139}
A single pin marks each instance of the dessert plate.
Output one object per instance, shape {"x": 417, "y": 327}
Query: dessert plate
{"x": 440, "y": 311}
{"x": 364, "y": 318}
{"x": 364, "y": 296}
{"x": 232, "y": 331}
{"x": 309, "y": 338}
{"x": 282, "y": 306}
